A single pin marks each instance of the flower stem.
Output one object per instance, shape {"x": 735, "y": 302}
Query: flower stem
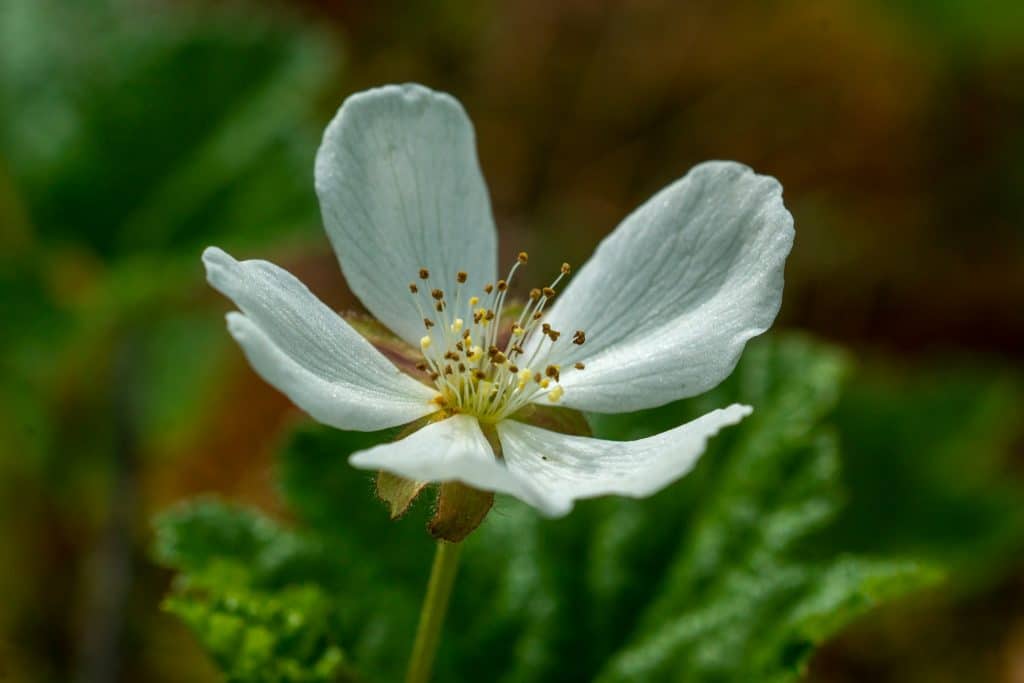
{"x": 435, "y": 605}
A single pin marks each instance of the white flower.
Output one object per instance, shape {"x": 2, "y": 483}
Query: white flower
{"x": 667, "y": 303}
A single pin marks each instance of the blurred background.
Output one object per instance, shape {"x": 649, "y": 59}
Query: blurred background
{"x": 133, "y": 133}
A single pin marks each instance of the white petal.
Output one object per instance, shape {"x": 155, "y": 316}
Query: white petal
{"x": 450, "y": 450}
{"x": 672, "y": 295}
{"x": 307, "y": 351}
{"x": 566, "y": 468}
{"x": 400, "y": 189}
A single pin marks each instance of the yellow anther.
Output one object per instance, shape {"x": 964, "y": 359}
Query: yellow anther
{"x": 545, "y": 383}
{"x": 555, "y": 395}
{"x": 525, "y": 375}
{"x": 457, "y": 325}
{"x": 425, "y": 342}
{"x": 518, "y": 331}
{"x": 474, "y": 300}
{"x": 475, "y": 353}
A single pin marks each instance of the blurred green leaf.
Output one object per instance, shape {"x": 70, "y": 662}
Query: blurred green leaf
{"x": 255, "y": 628}
{"x": 169, "y": 128}
{"x": 717, "y": 578}
{"x": 927, "y": 461}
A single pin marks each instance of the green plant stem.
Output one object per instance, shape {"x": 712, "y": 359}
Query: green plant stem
{"x": 435, "y": 605}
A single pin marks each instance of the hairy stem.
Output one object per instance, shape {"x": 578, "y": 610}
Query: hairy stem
{"x": 435, "y": 605}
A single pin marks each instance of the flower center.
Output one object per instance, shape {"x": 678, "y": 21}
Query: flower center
{"x": 480, "y": 364}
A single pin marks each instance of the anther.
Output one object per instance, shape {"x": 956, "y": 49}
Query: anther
{"x": 437, "y": 294}
{"x": 537, "y": 315}
{"x": 553, "y": 335}
{"x": 502, "y": 285}
{"x": 461, "y": 276}
{"x": 498, "y": 358}
{"x": 425, "y": 342}
{"x": 479, "y": 374}
{"x": 552, "y": 371}
{"x": 489, "y": 315}
{"x": 474, "y": 300}
{"x": 565, "y": 269}
{"x": 457, "y": 325}
{"x": 439, "y": 306}
{"x": 434, "y": 376}
{"x": 462, "y": 367}
{"x": 534, "y": 293}
{"x": 413, "y": 288}
{"x": 424, "y": 273}
{"x": 555, "y": 394}
{"x": 579, "y": 337}
{"x": 579, "y": 366}
{"x": 514, "y": 369}
{"x": 488, "y": 288}
{"x": 548, "y": 292}
{"x": 447, "y": 369}
{"x": 523, "y": 257}
{"x": 428, "y": 323}
{"x": 421, "y": 366}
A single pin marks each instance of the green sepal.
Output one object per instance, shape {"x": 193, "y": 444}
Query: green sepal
{"x": 398, "y": 492}
{"x": 557, "y": 419}
{"x": 391, "y": 346}
{"x": 460, "y": 510}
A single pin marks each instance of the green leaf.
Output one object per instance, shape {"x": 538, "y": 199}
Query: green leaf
{"x": 721, "y": 577}
{"x": 237, "y": 594}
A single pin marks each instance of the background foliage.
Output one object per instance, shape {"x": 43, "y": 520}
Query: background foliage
{"x": 133, "y": 134}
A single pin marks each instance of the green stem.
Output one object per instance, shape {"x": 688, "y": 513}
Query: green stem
{"x": 428, "y": 634}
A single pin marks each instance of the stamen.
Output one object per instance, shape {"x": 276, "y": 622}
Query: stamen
{"x": 471, "y": 370}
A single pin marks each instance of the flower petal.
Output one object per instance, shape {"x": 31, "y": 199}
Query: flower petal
{"x": 307, "y": 351}
{"x": 454, "y": 449}
{"x": 400, "y": 189}
{"x": 565, "y": 468}
{"x": 672, "y": 295}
